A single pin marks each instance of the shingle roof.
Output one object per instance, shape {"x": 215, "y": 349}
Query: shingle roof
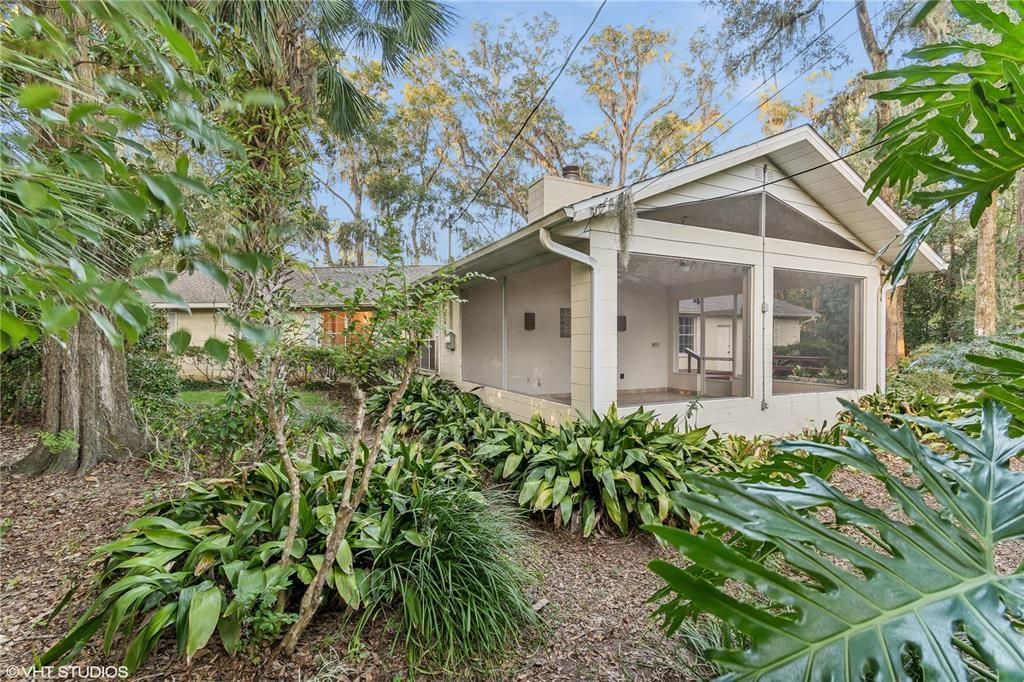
{"x": 201, "y": 291}
{"x": 723, "y": 304}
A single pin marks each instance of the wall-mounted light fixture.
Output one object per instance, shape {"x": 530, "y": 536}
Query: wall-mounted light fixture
{"x": 621, "y": 323}
{"x": 529, "y": 321}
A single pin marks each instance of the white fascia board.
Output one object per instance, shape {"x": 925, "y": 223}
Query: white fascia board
{"x": 587, "y": 208}
{"x": 547, "y": 221}
{"x": 851, "y": 176}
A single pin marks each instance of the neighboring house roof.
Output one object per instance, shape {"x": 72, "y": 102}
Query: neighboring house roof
{"x": 801, "y": 154}
{"x": 201, "y": 291}
{"x": 722, "y": 305}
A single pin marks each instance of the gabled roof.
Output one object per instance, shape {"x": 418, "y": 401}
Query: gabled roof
{"x": 200, "y": 290}
{"x": 810, "y": 162}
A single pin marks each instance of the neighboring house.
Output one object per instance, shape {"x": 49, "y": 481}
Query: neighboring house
{"x": 749, "y": 281}
{"x": 315, "y": 301}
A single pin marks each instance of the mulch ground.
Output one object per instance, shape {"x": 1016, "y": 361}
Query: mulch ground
{"x": 591, "y": 594}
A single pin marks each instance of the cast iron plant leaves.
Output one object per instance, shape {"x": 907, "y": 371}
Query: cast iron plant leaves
{"x": 868, "y": 595}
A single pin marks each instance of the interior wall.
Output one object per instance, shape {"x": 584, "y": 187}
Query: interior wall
{"x": 644, "y": 349}
{"x": 481, "y": 333}
{"x": 539, "y": 360}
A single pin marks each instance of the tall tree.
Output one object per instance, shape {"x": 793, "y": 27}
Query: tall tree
{"x": 495, "y": 84}
{"x": 281, "y": 53}
{"x": 81, "y": 86}
{"x": 985, "y": 283}
{"x": 635, "y": 82}
{"x": 757, "y": 37}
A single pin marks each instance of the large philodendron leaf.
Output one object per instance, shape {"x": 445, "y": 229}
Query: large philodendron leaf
{"x": 961, "y": 122}
{"x": 865, "y": 595}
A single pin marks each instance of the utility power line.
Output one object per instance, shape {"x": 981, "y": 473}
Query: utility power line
{"x": 522, "y": 127}
{"x": 744, "y": 98}
{"x": 762, "y": 104}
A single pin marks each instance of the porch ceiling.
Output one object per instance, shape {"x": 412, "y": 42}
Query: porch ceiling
{"x": 810, "y": 162}
{"x": 518, "y": 251}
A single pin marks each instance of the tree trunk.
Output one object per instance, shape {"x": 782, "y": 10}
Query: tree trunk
{"x": 985, "y": 273}
{"x": 85, "y": 391}
{"x": 895, "y": 343}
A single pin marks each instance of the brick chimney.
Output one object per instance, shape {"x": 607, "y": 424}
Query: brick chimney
{"x": 551, "y": 192}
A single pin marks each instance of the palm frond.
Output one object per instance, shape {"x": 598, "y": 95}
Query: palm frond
{"x": 345, "y": 108}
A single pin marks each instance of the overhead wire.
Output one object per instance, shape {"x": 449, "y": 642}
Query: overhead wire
{"x": 515, "y": 138}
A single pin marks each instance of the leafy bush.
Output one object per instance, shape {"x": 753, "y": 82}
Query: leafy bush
{"x": 453, "y": 588}
{"x": 152, "y": 374}
{"x": 602, "y": 471}
{"x": 207, "y": 437}
{"x": 950, "y": 358}
{"x": 438, "y": 412}
{"x": 622, "y": 469}
{"x": 21, "y": 375}
{"x": 210, "y": 560}
{"x": 152, "y": 371}
{"x": 862, "y": 593}
{"x": 893, "y": 405}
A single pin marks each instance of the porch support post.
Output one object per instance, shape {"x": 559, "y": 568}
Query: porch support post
{"x": 594, "y": 297}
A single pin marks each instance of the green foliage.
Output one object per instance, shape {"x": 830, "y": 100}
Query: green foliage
{"x": 21, "y": 375}
{"x": 152, "y": 371}
{"x": 454, "y": 590}
{"x": 895, "y": 404}
{"x": 200, "y": 437}
{"x": 80, "y": 193}
{"x": 1005, "y": 382}
{"x": 951, "y": 358}
{"x": 59, "y": 442}
{"x": 605, "y": 468}
{"x": 437, "y": 412}
{"x": 602, "y": 471}
{"x": 863, "y": 594}
{"x": 210, "y": 560}
{"x": 960, "y": 138}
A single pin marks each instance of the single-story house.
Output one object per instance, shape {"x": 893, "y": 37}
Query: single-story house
{"x": 314, "y": 304}
{"x": 748, "y": 282}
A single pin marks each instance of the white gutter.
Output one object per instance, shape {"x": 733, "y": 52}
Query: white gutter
{"x": 572, "y": 254}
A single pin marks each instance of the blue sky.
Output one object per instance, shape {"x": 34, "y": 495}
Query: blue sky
{"x": 683, "y": 18}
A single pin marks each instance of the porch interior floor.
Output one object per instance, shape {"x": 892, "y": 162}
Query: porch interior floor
{"x": 651, "y": 396}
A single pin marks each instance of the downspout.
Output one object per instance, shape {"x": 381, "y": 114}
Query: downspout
{"x": 586, "y": 259}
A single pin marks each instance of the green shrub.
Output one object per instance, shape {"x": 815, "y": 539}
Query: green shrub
{"x": 602, "y": 471}
{"x": 895, "y": 404}
{"x": 152, "y": 374}
{"x": 602, "y": 468}
{"x": 438, "y": 412}
{"x": 454, "y": 590}
{"x": 152, "y": 371}
{"x": 209, "y": 561}
{"x": 950, "y": 358}
{"x": 21, "y": 376}
{"x": 202, "y": 437}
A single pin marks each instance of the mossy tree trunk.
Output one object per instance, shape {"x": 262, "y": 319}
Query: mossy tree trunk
{"x": 85, "y": 392}
{"x": 985, "y": 283}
